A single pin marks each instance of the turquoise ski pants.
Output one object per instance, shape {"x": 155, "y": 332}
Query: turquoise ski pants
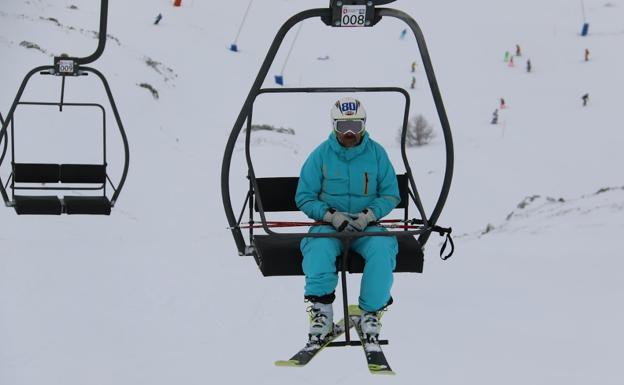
{"x": 319, "y": 265}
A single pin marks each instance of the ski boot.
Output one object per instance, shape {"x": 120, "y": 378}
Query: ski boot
{"x": 321, "y": 322}
{"x": 370, "y": 325}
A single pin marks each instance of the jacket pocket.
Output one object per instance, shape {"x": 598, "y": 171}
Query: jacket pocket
{"x": 336, "y": 186}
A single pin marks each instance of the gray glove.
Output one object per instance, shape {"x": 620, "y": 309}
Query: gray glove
{"x": 337, "y": 219}
{"x": 361, "y": 220}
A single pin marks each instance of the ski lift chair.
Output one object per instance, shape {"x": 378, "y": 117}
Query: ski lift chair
{"x": 63, "y": 177}
{"x": 277, "y": 253}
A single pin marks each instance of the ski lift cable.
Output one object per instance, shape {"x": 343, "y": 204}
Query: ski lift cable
{"x": 292, "y": 46}
{"x": 240, "y": 28}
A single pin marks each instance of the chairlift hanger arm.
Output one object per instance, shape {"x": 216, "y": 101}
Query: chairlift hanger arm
{"x": 65, "y": 65}
{"x": 102, "y": 32}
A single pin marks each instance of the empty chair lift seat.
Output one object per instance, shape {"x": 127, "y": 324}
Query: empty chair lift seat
{"x": 60, "y": 173}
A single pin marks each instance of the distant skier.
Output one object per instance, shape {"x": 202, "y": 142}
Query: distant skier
{"x": 495, "y": 117}
{"x": 586, "y": 54}
{"x": 518, "y": 52}
{"x": 507, "y": 56}
{"x": 511, "y": 61}
{"x": 403, "y": 34}
{"x": 528, "y": 66}
{"x": 413, "y": 66}
{"x": 158, "y": 19}
{"x": 413, "y": 84}
{"x": 349, "y": 183}
{"x": 585, "y": 99}
{"x": 502, "y": 104}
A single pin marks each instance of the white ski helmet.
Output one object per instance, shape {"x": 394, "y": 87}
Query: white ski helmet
{"x": 348, "y": 114}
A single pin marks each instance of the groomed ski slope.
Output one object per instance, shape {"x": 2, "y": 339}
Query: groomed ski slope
{"x": 156, "y": 294}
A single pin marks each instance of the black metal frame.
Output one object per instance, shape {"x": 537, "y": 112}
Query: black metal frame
{"x": 326, "y": 14}
{"x": 254, "y": 184}
{"x": 78, "y": 70}
{"x": 3, "y": 139}
{"x": 58, "y": 188}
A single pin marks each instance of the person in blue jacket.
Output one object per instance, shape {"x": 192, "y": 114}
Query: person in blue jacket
{"x": 348, "y": 182}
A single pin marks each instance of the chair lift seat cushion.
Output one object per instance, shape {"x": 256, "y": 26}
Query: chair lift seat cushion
{"x": 36, "y": 173}
{"x": 83, "y": 173}
{"x": 37, "y": 205}
{"x": 93, "y": 205}
{"x": 277, "y": 256}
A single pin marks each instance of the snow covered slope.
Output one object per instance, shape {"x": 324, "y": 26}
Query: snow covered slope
{"x": 156, "y": 294}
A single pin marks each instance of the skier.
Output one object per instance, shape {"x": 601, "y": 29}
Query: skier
{"x": 511, "y": 62}
{"x": 502, "y": 103}
{"x": 348, "y": 182}
{"x": 158, "y": 19}
{"x": 495, "y": 117}
{"x": 528, "y": 66}
{"x": 586, "y": 54}
{"x": 413, "y": 84}
{"x": 506, "y": 56}
{"x": 585, "y": 99}
{"x": 413, "y": 66}
{"x": 518, "y": 52}
{"x": 403, "y": 34}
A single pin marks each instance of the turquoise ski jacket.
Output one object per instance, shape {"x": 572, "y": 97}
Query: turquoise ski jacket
{"x": 347, "y": 179}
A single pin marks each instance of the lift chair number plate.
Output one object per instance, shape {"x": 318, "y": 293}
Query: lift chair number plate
{"x": 353, "y": 16}
{"x": 66, "y": 66}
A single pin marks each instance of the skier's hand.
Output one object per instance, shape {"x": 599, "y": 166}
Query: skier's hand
{"x": 361, "y": 220}
{"x": 339, "y": 220}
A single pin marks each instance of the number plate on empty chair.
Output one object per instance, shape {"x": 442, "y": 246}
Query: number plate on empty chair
{"x": 66, "y": 66}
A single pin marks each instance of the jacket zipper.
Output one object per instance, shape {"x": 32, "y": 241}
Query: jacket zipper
{"x": 365, "y": 183}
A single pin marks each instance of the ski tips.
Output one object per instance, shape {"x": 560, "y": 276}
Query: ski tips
{"x": 380, "y": 369}
{"x": 291, "y": 363}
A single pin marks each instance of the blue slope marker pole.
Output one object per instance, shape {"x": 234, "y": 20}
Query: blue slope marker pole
{"x": 234, "y": 46}
{"x": 585, "y": 29}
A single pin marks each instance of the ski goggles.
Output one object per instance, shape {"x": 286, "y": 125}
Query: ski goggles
{"x": 355, "y": 126}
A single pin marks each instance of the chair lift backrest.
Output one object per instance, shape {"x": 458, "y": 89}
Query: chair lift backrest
{"x": 278, "y": 193}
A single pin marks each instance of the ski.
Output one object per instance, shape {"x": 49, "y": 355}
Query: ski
{"x": 377, "y": 362}
{"x": 308, "y": 352}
